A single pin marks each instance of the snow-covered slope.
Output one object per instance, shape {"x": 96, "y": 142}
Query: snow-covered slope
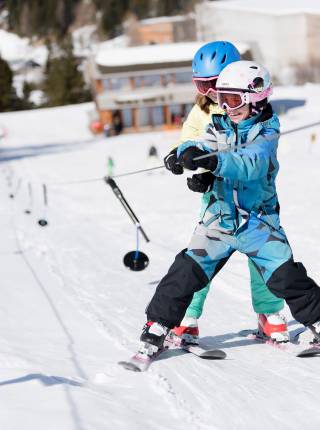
{"x": 69, "y": 309}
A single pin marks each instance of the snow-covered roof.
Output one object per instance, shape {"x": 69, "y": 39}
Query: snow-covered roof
{"x": 117, "y": 42}
{"x": 84, "y": 40}
{"x": 151, "y": 54}
{"x": 273, "y": 7}
{"x": 16, "y": 49}
{"x": 163, "y": 19}
{"x": 12, "y": 47}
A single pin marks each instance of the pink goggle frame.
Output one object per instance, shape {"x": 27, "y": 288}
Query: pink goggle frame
{"x": 237, "y": 99}
{"x": 206, "y": 85}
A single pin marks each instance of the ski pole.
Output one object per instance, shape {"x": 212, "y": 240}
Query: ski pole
{"x": 125, "y": 204}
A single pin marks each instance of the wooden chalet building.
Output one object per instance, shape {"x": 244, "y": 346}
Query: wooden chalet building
{"x": 143, "y": 87}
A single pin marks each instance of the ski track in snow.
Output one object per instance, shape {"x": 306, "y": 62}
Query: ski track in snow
{"x": 70, "y": 310}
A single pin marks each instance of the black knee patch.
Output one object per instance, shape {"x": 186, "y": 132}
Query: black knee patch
{"x": 291, "y": 282}
{"x": 175, "y": 291}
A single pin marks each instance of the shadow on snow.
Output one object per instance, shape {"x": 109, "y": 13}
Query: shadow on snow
{"x": 16, "y": 153}
{"x": 282, "y": 106}
{"x": 44, "y": 379}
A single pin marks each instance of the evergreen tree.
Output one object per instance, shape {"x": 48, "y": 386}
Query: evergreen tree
{"x": 141, "y": 8}
{"x": 64, "y": 83}
{"x": 9, "y": 101}
{"x": 38, "y": 17}
{"x": 27, "y": 89}
{"x": 7, "y": 91}
{"x": 13, "y": 7}
{"x": 54, "y": 17}
{"x": 113, "y": 12}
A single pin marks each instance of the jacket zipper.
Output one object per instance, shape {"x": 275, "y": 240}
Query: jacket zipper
{"x": 235, "y": 189}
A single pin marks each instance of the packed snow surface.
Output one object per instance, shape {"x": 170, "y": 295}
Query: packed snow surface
{"x": 70, "y": 310}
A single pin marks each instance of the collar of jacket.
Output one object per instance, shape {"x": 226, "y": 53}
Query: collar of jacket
{"x": 265, "y": 119}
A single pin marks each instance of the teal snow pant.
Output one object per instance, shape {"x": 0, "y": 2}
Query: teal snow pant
{"x": 263, "y": 301}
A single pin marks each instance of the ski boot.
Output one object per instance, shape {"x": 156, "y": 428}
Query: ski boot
{"x": 152, "y": 339}
{"x": 273, "y": 326}
{"x": 315, "y": 329}
{"x": 186, "y": 333}
{"x": 151, "y": 345}
{"x": 311, "y": 336}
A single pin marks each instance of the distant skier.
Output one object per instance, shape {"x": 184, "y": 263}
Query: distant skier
{"x": 110, "y": 166}
{"x": 153, "y": 159}
{"x": 107, "y": 130}
{"x": 242, "y": 213}
{"x": 207, "y": 64}
{"x": 153, "y": 152}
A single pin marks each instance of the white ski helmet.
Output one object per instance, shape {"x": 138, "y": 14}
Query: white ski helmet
{"x": 248, "y": 80}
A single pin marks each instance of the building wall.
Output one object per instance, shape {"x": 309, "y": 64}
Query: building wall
{"x": 290, "y": 37}
{"x": 313, "y": 37}
{"x": 145, "y": 33}
{"x": 185, "y": 31}
{"x": 155, "y": 33}
{"x": 278, "y": 41}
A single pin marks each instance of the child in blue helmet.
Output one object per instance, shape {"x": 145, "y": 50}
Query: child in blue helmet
{"x": 243, "y": 210}
{"x": 207, "y": 64}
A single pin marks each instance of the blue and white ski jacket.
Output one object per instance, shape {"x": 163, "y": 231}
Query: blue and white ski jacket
{"x": 245, "y": 175}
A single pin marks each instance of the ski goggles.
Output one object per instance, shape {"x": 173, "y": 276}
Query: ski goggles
{"x": 231, "y": 99}
{"x": 206, "y": 85}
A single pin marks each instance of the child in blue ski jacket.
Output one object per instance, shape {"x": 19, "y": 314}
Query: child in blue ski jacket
{"x": 243, "y": 209}
{"x": 207, "y": 64}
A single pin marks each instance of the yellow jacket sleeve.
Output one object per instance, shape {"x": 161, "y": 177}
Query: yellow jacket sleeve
{"x": 196, "y": 122}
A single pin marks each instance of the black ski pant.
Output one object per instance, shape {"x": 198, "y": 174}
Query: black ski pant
{"x": 175, "y": 291}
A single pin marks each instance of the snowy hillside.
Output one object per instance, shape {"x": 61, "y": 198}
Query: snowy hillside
{"x": 70, "y": 310}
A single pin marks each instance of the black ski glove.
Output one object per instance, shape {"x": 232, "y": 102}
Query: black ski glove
{"x": 170, "y": 162}
{"x": 201, "y": 182}
{"x": 186, "y": 159}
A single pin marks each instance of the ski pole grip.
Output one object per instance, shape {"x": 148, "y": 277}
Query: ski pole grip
{"x": 110, "y": 182}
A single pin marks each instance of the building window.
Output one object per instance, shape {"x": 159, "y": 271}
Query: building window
{"x": 143, "y": 117}
{"x": 106, "y": 84}
{"x": 138, "y": 81}
{"x": 152, "y": 80}
{"x": 177, "y": 113}
{"x": 127, "y": 118}
{"x": 183, "y": 77}
{"x": 169, "y": 79}
{"x": 187, "y": 109}
{"x": 120, "y": 84}
{"x": 157, "y": 116}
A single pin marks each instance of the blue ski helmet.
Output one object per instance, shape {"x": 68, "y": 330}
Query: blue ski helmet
{"x": 212, "y": 58}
